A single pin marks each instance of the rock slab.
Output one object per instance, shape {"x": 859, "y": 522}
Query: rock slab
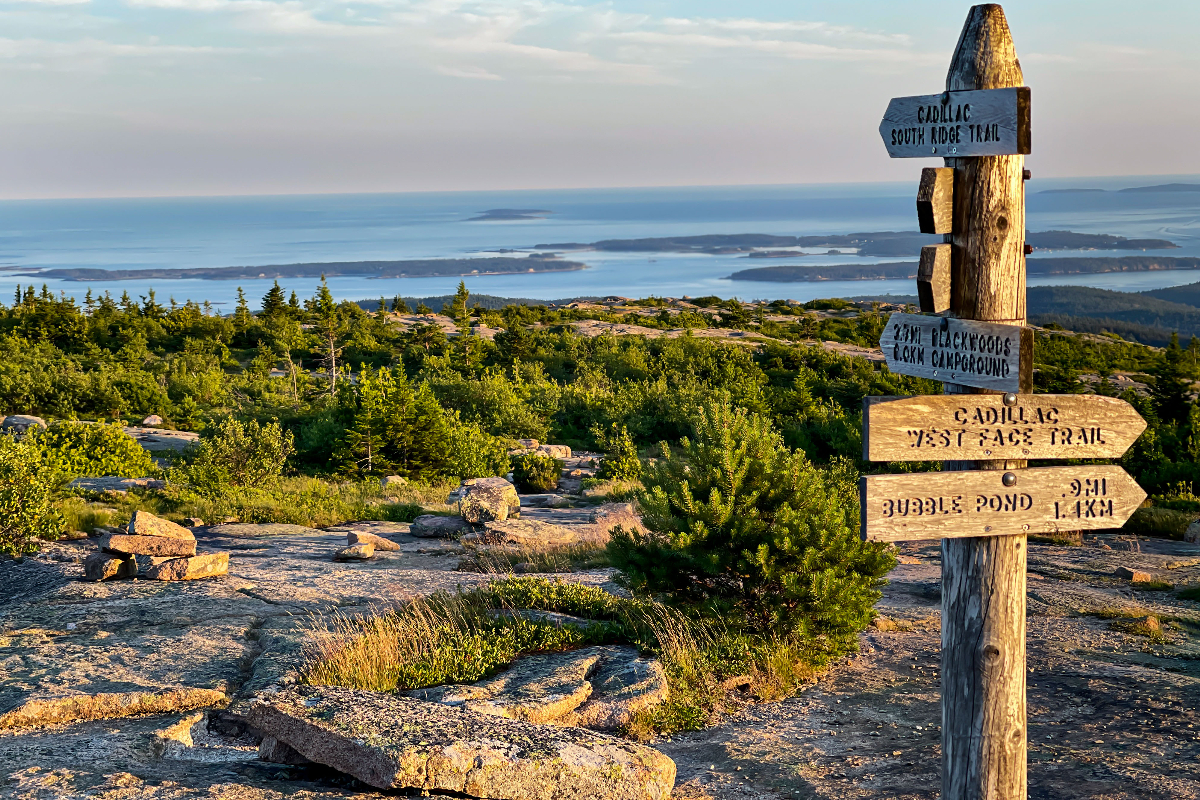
{"x": 127, "y": 544}
{"x": 378, "y": 542}
{"x": 433, "y": 526}
{"x": 1133, "y": 575}
{"x": 355, "y": 552}
{"x": 143, "y": 523}
{"x": 392, "y": 742}
{"x": 209, "y": 565}
{"x": 102, "y": 567}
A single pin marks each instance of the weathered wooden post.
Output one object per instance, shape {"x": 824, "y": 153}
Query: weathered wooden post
{"x": 981, "y": 126}
{"x": 983, "y": 578}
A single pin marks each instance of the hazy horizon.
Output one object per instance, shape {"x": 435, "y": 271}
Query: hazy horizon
{"x": 193, "y": 98}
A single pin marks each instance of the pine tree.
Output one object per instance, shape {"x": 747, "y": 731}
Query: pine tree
{"x": 741, "y": 528}
{"x": 399, "y": 306}
{"x": 330, "y": 327}
{"x": 89, "y": 302}
{"x": 1172, "y": 384}
{"x": 272, "y": 302}
{"x": 423, "y": 309}
{"x": 294, "y": 303}
{"x": 458, "y": 307}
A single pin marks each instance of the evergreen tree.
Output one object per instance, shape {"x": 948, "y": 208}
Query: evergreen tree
{"x": 241, "y": 314}
{"x": 330, "y": 327}
{"x": 273, "y": 303}
{"x": 423, "y": 309}
{"x": 1172, "y": 384}
{"x": 397, "y": 428}
{"x": 458, "y": 307}
{"x": 89, "y": 302}
{"x": 294, "y": 303}
{"x": 742, "y": 528}
{"x": 399, "y": 306}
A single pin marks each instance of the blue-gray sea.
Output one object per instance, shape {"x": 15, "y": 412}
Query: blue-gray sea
{"x": 238, "y": 231}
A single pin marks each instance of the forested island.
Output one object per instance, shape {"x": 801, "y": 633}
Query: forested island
{"x": 908, "y": 269}
{"x": 423, "y": 268}
{"x": 880, "y": 244}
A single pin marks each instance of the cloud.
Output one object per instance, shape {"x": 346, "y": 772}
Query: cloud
{"x": 472, "y": 73}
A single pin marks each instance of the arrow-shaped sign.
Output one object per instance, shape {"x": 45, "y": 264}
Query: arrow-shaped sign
{"x": 988, "y": 122}
{"x": 1045, "y": 500}
{"x": 990, "y": 426}
{"x": 986, "y": 355}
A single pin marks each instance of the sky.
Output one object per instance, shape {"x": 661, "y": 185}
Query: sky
{"x": 213, "y": 97}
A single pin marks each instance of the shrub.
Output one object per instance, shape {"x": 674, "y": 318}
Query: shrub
{"x": 26, "y": 508}
{"x": 536, "y": 472}
{"x": 1166, "y": 523}
{"x": 471, "y": 452}
{"x": 81, "y": 448}
{"x": 237, "y": 453}
{"x": 741, "y": 528}
{"x": 621, "y": 460}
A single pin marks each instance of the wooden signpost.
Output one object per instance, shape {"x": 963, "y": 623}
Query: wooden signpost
{"x": 962, "y": 427}
{"x": 1046, "y": 500}
{"x": 982, "y": 510}
{"x": 979, "y": 354}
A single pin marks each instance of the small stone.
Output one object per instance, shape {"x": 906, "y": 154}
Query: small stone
{"x": 193, "y": 522}
{"x": 143, "y": 523}
{"x": 391, "y": 481}
{"x": 209, "y": 565}
{"x": 73, "y": 536}
{"x": 1133, "y": 575}
{"x": 152, "y": 421}
{"x": 355, "y": 552}
{"x": 102, "y": 567}
{"x": 21, "y": 423}
{"x": 147, "y": 545}
{"x": 434, "y": 526}
{"x": 378, "y": 542}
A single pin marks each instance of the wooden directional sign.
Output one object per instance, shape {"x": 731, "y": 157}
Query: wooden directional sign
{"x": 1044, "y": 500}
{"x": 985, "y": 355}
{"x": 969, "y": 427}
{"x": 988, "y": 122}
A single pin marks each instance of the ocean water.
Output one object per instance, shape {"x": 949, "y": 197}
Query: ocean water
{"x": 241, "y": 231}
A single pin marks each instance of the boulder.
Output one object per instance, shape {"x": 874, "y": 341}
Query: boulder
{"x": 528, "y": 444}
{"x": 144, "y": 563}
{"x": 486, "y": 499}
{"x": 143, "y": 523}
{"x": 378, "y": 542}
{"x": 392, "y": 742}
{"x": 209, "y": 565}
{"x": 1192, "y": 534}
{"x": 1133, "y": 575}
{"x": 124, "y": 544}
{"x": 392, "y": 481}
{"x": 102, "y": 567}
{"x": 152, "y": 421}
{"x": 545, "y": 501}
{"x": 622, "y": 685}
{"x": 21, "y": 423}
{"x": 555, "y": 450}
{"x": 527, "y": 534}
{"x": 355, "y": 552}
{"x": 433, "y": 526}
{"x": 277, "y": 752}
{"x": 193, "y": 522}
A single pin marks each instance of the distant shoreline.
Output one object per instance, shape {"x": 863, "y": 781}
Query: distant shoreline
{"x": 908, "y": 269}
{"x": 424, "y": 268}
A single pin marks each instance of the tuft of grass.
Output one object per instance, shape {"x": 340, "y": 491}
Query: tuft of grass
{"x": 507, "y": 561}
{"x": 1148, "y": 626}
{"x": 598, "y": 490}
{"x": 1190, "y": 593}
{"x": 1165, "y": 523}
{"x": 80, "y": 515}
{"x": 468, "y": 636}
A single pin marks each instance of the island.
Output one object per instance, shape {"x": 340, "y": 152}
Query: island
{"x": 879, "y": 244}
{"x": 908, "y": 269}
{"x": 423, "y": 268}
{"x": 510, "y": 215}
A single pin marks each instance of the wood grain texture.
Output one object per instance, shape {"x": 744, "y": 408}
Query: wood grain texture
{"x": 933, "y": 278}
{"x": 963, "y": 427}
{"x": 1044, "y": 500}
{"x": 935, "y": 200}
{"x": 984, "y": 731}
{"x": 979, "y": 354}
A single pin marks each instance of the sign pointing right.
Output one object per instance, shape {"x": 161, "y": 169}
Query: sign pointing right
{"x": 945, "y": 505}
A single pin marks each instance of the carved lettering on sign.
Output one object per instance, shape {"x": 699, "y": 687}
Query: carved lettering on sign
{"x": 989, "y": 122}
{"x": 985, "y": 355}
{"x": 973, "y": 427}
{"x": 940, "y": 505}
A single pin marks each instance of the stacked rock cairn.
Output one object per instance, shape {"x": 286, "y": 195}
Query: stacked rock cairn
{"x": 154, "y": 548}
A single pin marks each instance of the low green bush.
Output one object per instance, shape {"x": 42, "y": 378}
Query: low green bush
{"x": 236, "y": 454}
{"x": 96, "y": 449}
{"x": 621, "y": 460}
{"x": 27, "y": 511}
{"x": 1165, "y": 523}
{"x": 536, "y": 472}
